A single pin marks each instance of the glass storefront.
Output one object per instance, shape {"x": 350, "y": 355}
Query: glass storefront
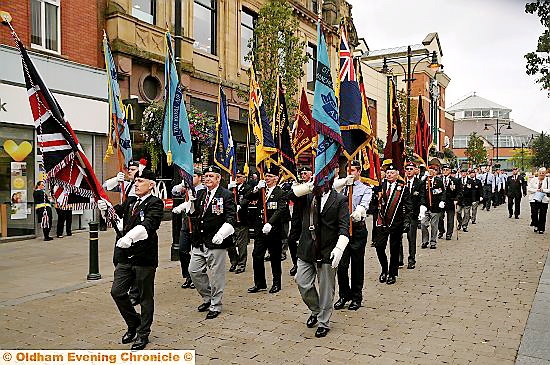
{"x": 17, "y": 179}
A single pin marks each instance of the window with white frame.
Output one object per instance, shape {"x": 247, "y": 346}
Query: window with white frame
{"x": 45, "y": 25}
{"x": 461, "y": 141}
{"x": 144, "y": 10}
{"x": 204, "y": 25}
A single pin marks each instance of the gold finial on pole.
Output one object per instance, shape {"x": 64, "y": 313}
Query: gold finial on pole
{"x": 6, "y": 17}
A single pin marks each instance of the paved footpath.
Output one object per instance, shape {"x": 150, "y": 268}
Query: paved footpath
{"x": 466, "y": 302}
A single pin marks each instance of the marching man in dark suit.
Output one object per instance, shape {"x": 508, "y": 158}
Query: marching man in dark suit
{"x": 238, "y": 253}
{"x": 212, "y": 216}
{"x": 435, "y": 203}
{"x": 323, "y": 240}
{"x": 393, "y": 219}
{"x": 465, "y": 200}
{"x": 267, "y": 236}
{"x": 136, "y": 254}
{"x": 515, "y": 186}
{"x": 477, "y": 190}
{"x": 417, "y": 194}
{"x": 453, "y": 189}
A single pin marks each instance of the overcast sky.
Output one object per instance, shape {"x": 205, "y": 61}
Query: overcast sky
{"x": 483, "y": 44}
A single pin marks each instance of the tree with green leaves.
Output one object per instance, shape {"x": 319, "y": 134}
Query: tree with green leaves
{"x": 522, "y": 158}
{"x": 476, "y": 152}
{"x": 275, "y": 50}
{"x": 541, "y": 150}
{"x": 538, "y": 62}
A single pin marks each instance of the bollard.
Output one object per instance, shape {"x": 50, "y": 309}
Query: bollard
{"x": 93, "y": 273}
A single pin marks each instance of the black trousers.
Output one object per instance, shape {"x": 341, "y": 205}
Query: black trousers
{"x": 395, "y": 235}
{"x": 354, "y": 254}
{"x": 262, "y": 243}
{"x": 538, "y": 215}
{"x": 64, "y": 218}
{"x": 487, "y": 197}
{"x": 411, "y": 238}
{"x": 449, "y": 212}
{"x": 293, "y": 249}
{"x": 144, "y": 276}
{"x": 184, "y": 252}
{"x": 514, "y": 205}
{"x": 39, "y": 214}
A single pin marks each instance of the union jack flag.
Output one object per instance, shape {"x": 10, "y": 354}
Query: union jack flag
{"x": 347, "y": 71}
{"x": 69, "y": 174}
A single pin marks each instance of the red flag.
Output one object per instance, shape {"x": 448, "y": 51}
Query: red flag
{"x": 395, "y": 145}
{"x": 302, "y": 134}
{"x": 69, "y": 173}
{"x": 423, "y": 138}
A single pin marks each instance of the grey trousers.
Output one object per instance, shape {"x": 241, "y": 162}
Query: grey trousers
{"x": 473, "y": 214}
{"x": 431, "y": 222}
{"x": 238, "y": 253}
{"x": 463, "y": 215}
{"x": 319, "y": 303}
{"x": 207, "y": 270}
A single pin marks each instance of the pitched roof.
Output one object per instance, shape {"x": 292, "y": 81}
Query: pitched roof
{"x": 465, "y": 127}
{"x": 475, "y": 102}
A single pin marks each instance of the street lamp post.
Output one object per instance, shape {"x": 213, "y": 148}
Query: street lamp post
{"x": 409, "y": 74}
{"x": 497, "y": 129}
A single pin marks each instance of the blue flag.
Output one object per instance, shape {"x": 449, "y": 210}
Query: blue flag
{"x": 325, "y": 118}
{"x": 176, "y": 136}
{"x": 224, "y": 150}
{"x": 119, "y": 132}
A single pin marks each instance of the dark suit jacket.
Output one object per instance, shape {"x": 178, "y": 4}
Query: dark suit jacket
{"x": 403, "y": 211}
{"x": 516, "y": 186}
{"x": 242, "y": 192}
{"x": 332, "y": 222}
{"x": 453, "y": 191}
{"x": 438, "y": 194}
{"x": 477, "y": 189}
{"x": 148, "y": 214}
{"x": 417, "y": 195}
{"x": 221, "y": 209}
{"x": 277, "y": 211}
{"x": 468, "y": 192}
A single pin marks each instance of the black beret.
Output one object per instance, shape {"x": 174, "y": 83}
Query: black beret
{"x": 214, "y": 169}
{"x": 305, "y": 168}
{"x": 239, "y": 170}
{"x": 272, "y": 170}
{"x": 147, "y": 174}
{"x": 355, "y": 163}
{"x": 391, "y": 166}
{"x": 198, "y": 172}
{"x": 410, "y": 163}
{"x": 445, "y": 166}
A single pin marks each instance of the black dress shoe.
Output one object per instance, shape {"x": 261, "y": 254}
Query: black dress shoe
{"x": 275, "y": 288}
{"x": 203, "y": 307}
{"x": 191, "y": 286}
{"x": 516, "y": 217}
{"x": 391, "y": 280}
{"x": 140, "y": 343}
{"x": 239, "y": 270}
{"x": 232, "y": 268}
{"x": 433, "y": 247}
{"x": 187, "y": 283}
{"x": 293, "y": 271}
{"x": 440, "y": 235}
{"x": 541, "y": 232}
{"x": 212, "y": 314}
{"x": 354, "y": 305}
{"x": 311, "y": 321}
{"x": 48, "y": 238}
{"x": 424, "y": 245}
{"x": 459, "y": 226}
{"x": 509, "y": 216}
{"x": 340, "y": 303}
{"x": 448, "y": 238}
{"x": 134, "y": 301}
{"x": 465, "y": 229}
{"x": 283, "y": 256}
{"x": 321, "y": 332}
{"x": 382, "y": 278}
{"x": 267, "y": 258}
{"x": 256, "y": 289}
{"x": 401, "y": 263}
{"x": 129, "y": 336}
{"x": 473, "y": 222}
{"x": 411, "y": 265}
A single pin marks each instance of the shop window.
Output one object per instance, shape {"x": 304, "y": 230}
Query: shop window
{"x": 45, "y": 25}
{"x": 204, "y": 25}
{"x": 144, "y": 10}
{"x": 248, "y": 21}
{"x": 311, "y": 65}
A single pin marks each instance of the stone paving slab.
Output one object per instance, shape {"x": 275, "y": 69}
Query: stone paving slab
{"x": 466, "y": 302}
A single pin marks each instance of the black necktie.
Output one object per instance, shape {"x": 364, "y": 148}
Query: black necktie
{"x": 136, "y": 206}
{"x": 205, "y": 204}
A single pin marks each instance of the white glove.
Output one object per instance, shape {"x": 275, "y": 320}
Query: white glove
{"x": 238, "y": 207}
{"x": 358, "y": 213}
{"x": 178, "y": 189}
{"x": 225, "y": 231}
{"x": 267, "y": 228}
{"x": 302, "y": 189}
{"x": 232, "y": 184}
{"x": 422, "y": 213}
{"x": 349, "y": 180}
{"x": 120, "y": 177}
{"x": 261, "y": 184}
{"x": 480, "y": 198}
{"x": 217, "y": 239}
{"x": 138, "y": 233}
{"x": 339, "y": 184}
{"x": 111, "y": 183}
{"x": 338, "y": 251}
{"x": 442, "y": 205}
{"x": 124, "y": 242}
{"x": 185, "y": 206}
{"x": 102, "y": 205}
